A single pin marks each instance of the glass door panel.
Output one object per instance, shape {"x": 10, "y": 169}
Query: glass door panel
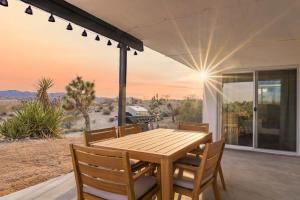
{"x": 276, "y": 109}
{"x": 237, "y": 108}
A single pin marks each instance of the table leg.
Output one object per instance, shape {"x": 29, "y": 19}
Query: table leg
{"x": 167, "y": 179}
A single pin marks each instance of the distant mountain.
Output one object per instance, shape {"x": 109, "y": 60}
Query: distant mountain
{"x": 23, "y": 95}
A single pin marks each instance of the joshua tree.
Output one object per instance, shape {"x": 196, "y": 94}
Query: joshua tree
{"x": 172, "y": 110}
{"x": 42, "y": 93}
{"x": 80, "y": 95}
{"x": 155, "y": 103}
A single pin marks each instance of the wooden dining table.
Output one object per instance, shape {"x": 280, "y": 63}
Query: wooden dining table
{"x": 161, "y": 146}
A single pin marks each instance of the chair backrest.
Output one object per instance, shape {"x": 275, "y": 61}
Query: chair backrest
{"x": 210, "y": 163}
{"x": 102, "y": 169}
{"x": 193, "y": 126}
{"x": 129, "y": 129}
{"x": 100, "y": 134}
{"x": 224, "y": 136}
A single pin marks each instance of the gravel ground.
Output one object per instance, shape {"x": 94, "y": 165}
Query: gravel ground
{"x": 28, "y": 162}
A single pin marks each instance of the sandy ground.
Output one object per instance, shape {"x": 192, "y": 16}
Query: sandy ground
{"x": 29, "y": 162}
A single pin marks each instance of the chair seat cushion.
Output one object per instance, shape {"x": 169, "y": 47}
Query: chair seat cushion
{"x": 184, "y": 182}
{"x": 190, "y": 160}
{"x": 188, "y": 183}
{"x": 134, "y": 161}
{"x": 141, "y": 187}
{"x": 136, "y": 164}
{"x": 199, "y": 151}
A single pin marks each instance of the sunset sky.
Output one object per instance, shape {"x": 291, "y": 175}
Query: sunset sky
{"x": 32, "y": 48}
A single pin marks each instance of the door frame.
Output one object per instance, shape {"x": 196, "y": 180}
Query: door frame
{"x": 254, "y": 70}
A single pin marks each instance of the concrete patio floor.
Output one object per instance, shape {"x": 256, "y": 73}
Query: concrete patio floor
{"x": 248, "y": 175}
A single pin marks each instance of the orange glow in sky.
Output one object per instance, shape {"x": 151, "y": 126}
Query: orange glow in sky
{"x": 31, "y": 48}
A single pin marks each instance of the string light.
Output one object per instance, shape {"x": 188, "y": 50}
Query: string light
{"x": 84, "y": 33}
{"x": 51, "y": 18}
{"x": 28, "y": 10}
{"x": 69, "y": 27}
{"x": 4, "y": 3}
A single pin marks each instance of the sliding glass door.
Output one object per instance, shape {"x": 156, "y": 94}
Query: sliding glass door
{"x": 238, "y": 97}
{"x": 259, "y": 109}
{"x": 276, "y": 109}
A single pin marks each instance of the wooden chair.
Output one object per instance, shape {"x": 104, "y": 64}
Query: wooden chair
{"x": 204, "y": 175}
{"x": 193, "y": 126}
{"x": 223, "y": 137}
{"x": 105, "y": 174}
{"x": 196, "y": 160}
{"x": 97, "y": 135}
{"x": 129, "y": 129}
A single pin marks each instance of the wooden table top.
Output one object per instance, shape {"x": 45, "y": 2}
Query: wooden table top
{"x": 162, "y": 146}
{"x": 157, "y": 142}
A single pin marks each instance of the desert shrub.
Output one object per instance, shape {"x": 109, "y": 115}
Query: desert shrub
{"x": 111, "y": 107}
{"x": 106, "y": 111}
{"x": 160, "y": 117}
{"x": 190, "y": 110}
{"x": 99, "y": 108}
{"x": 33, "y": 120}
{"x": 72, "y": 130}
{"x": 3, "y": 114}
{"x": 165, "y": 114}
{"x": 16, "y": 107}
{"x": 111, "y": 119}
{"x": 69, "y": 120}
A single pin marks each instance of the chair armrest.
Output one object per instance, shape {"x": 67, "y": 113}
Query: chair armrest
{"x": 185, "y": 167}
{"x": 143, "y": 171}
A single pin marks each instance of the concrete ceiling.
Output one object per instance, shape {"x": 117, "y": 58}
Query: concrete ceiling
{"x": 203, "y": 34}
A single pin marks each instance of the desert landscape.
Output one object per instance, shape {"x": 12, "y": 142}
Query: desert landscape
{"x": 33, "y": 160}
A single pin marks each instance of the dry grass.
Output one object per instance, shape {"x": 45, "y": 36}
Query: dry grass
{"x": 29, "y": 162}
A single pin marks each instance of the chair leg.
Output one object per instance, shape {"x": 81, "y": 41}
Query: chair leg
{"x": 180, "y": 175}
{"x": 195, "y": 197}
{"x": 158, "y": 176}
{"x": 158, "y": 195}
{"x": 222, "y": 177}
{"x": 179, "y": 196}
{"x": 216, "y": 190}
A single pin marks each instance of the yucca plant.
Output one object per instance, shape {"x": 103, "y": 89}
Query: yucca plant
{"x": 33, "y": 120}
{"x": 42, "y": 91}
{"x": 172, "y": 110}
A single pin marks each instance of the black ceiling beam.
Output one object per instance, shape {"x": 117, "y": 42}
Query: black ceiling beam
{"x": 82, "y": 18}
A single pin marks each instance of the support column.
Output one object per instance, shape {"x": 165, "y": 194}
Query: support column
{"x": 210, "y": 109}
{"x": 122, "y": 85}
